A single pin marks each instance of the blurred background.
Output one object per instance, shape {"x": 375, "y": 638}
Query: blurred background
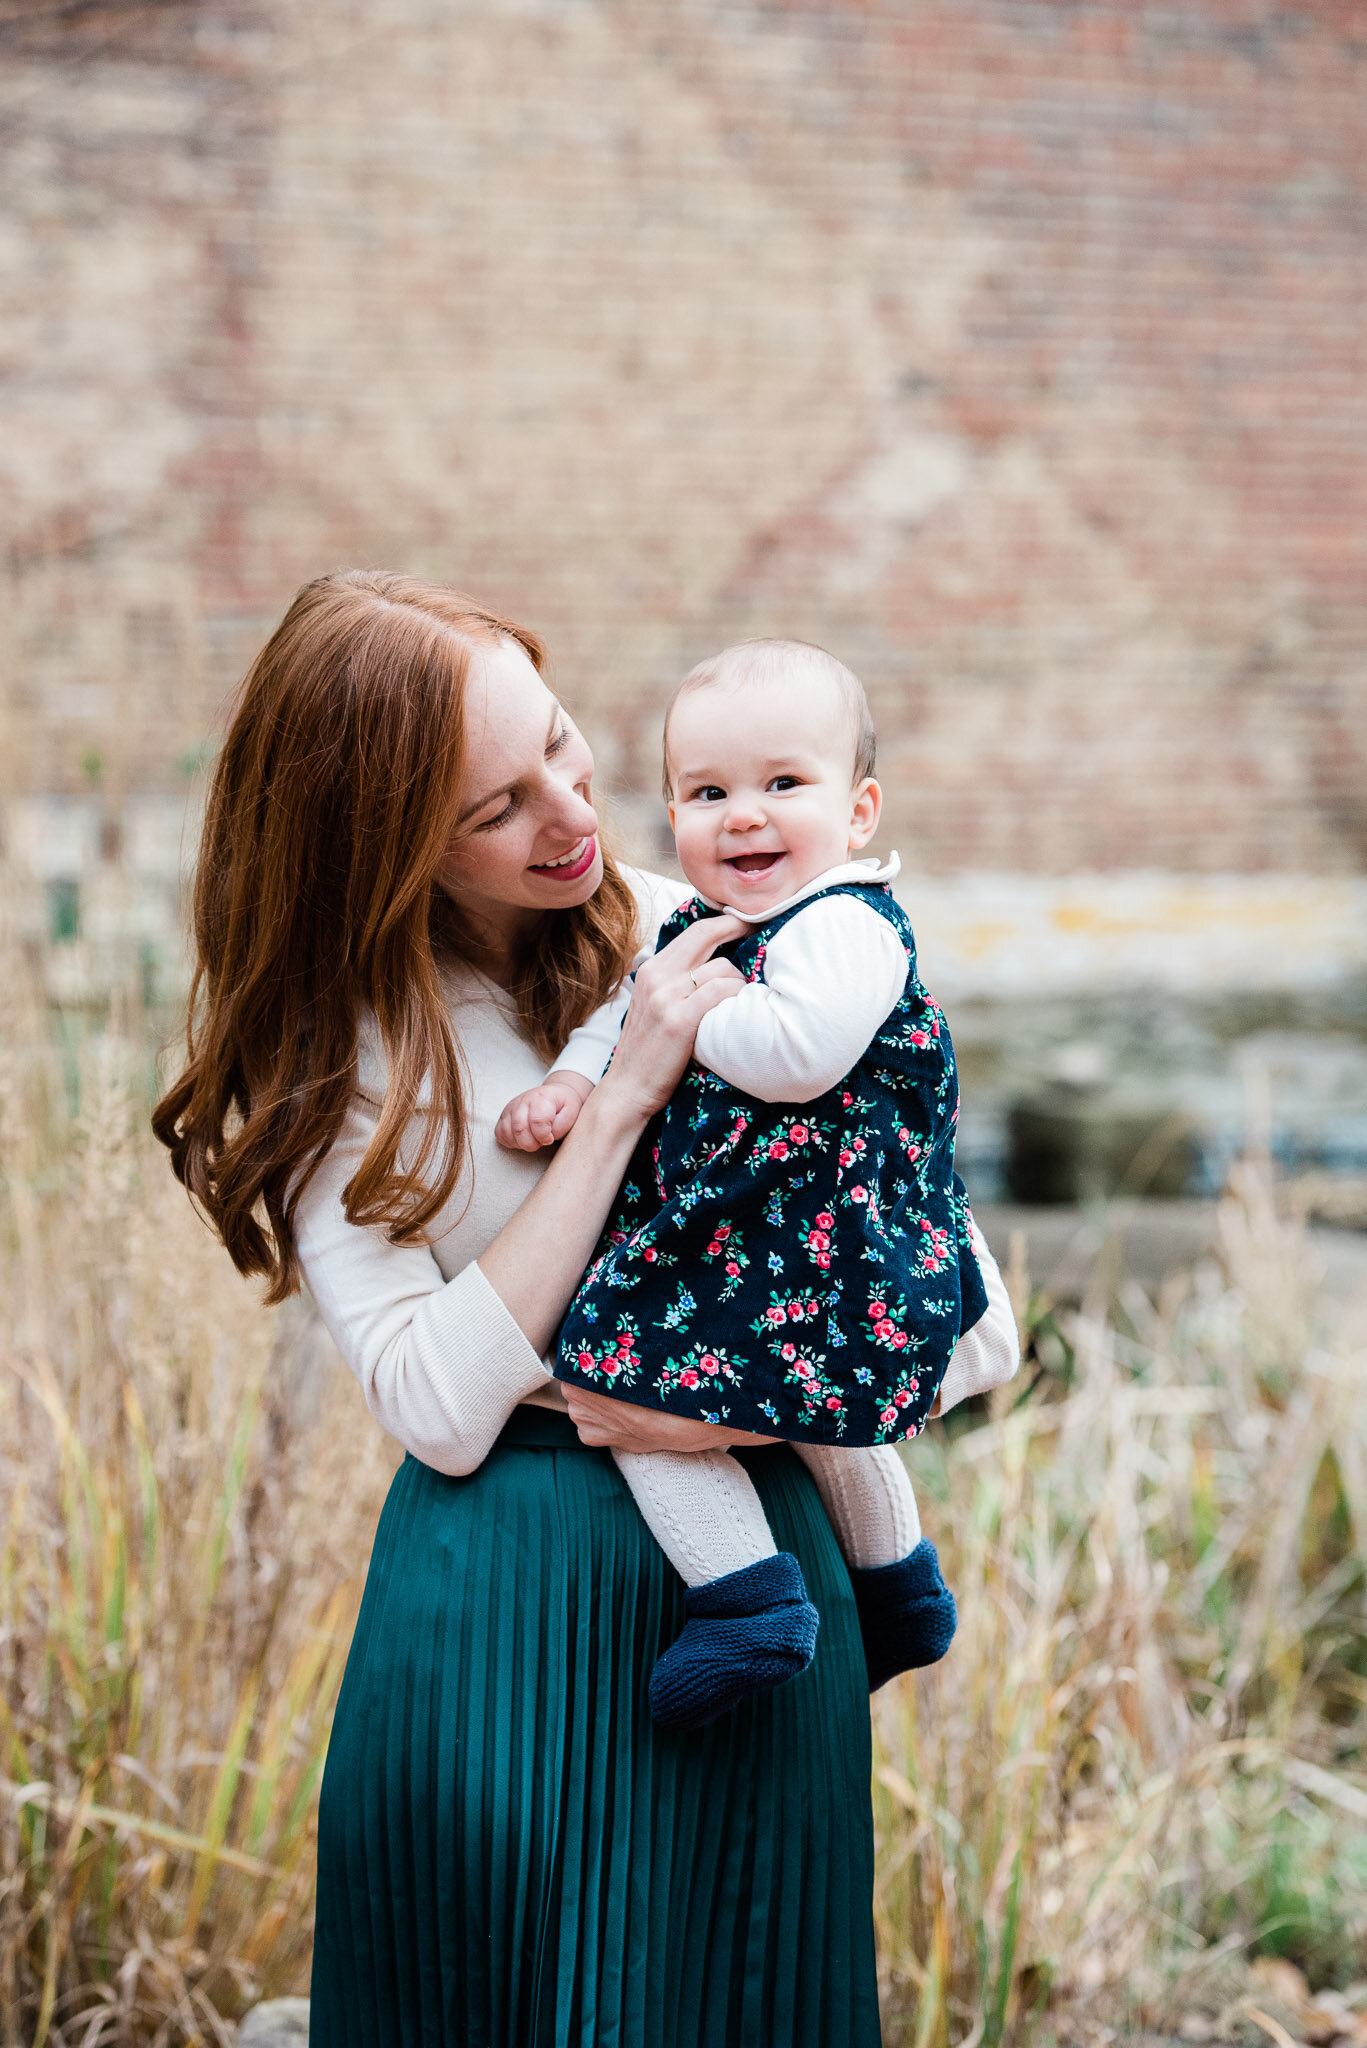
{"x": 1014, "y": 352}
{"x": 1011, "y": 349}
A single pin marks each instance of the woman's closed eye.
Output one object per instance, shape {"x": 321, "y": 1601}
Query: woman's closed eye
{"x": 558, "y": 741}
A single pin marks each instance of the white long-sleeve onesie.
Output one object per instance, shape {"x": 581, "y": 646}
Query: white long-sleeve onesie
{"x": 830, "y": 977}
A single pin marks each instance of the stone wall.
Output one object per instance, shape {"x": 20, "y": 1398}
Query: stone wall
{"x": 1011, "y": 349}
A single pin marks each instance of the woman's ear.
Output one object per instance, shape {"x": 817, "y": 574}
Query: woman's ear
{"x": 865, "y": 810}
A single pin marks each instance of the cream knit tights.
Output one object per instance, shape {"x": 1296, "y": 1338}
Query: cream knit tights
{"x": 705, "y": 1515}
{"x": 869, "y": 1499}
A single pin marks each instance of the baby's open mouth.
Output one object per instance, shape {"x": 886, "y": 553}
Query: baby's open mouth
{"x": 753, "y": 863}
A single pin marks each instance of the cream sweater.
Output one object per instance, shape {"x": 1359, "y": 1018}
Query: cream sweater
{"x": 440, "y": 1359}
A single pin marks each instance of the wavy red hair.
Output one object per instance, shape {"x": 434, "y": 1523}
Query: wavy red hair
{"x": 316, "y": 899}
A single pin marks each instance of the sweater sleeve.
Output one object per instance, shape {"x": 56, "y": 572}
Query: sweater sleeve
{"x": 831, "y": 976}
{"x": 989, "y": 1354}
{"x": 442, "y": 1363}
{"x": 588, "y": 1050}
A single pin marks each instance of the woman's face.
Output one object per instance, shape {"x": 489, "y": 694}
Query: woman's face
{"x": 526, "y": 836}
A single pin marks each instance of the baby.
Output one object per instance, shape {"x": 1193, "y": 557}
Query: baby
{"x": 791, "y": 1251}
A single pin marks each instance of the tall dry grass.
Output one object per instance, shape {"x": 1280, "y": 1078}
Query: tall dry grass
{"x": 188, "y": 1494}
{"x": 1142, "y": 1763}
{"x": 1145, "y": 1760}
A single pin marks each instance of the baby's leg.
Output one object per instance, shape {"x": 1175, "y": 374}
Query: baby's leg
{"x": 750, "y": 1624}
{"x": 869, "y": 1499}
{"x": 703, "y": 1511}
{"x": 906, "y": 1612}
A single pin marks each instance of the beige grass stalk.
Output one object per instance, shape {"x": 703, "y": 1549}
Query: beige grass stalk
{"x": 1144, "y": 1759}
{"x": 1155, "y": 1701}
{"x": 182, "y": 1550}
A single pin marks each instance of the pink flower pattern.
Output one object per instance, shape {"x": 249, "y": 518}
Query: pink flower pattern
{"x": 614, "y": 1365}
{"x": 800, "y": 1269}
{"x": 726, "y": 1248}
{"x": 818, "y": 1390}
{"x": 704, "y": 1368}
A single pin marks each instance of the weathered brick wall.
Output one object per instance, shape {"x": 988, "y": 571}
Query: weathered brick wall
{"x": 1013, "y": 350}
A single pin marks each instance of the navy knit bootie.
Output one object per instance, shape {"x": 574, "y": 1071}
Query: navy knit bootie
{"x": 752, "y": 1629}
{"x": 906, "y": 1614}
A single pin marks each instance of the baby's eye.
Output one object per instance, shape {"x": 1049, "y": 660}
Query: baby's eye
{"x": 709, "y": 793}
{"x": 781, "y": 782}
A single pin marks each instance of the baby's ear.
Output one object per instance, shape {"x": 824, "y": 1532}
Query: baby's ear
{"x": 866, "y": 807}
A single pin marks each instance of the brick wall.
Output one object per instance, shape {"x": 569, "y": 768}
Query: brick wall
{"x": 1013, "y": 350}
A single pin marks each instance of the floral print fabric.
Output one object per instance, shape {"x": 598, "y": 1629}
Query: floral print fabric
{"x": 802, "y": 1271}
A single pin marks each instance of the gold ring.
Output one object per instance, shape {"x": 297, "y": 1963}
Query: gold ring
{"x": 693, "y": 978}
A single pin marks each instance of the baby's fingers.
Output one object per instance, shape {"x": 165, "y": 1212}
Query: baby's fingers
{"x": 564, "y": 1118}
{"x": 514, "y": 1129}
{"x": 541, "y": 1124}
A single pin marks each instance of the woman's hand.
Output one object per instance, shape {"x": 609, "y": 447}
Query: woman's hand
{"x": 604, "y": 1424}
{"x": 536, "y": 1261}
{"x": 673, "y": 992}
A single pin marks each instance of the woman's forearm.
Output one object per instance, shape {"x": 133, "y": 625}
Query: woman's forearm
{"x": 538, "y": 1258}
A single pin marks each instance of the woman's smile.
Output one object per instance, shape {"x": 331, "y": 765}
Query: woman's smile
{"x": 569, "y": 866}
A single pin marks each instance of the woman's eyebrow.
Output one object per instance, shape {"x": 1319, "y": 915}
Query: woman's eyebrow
{"x": 505, "y": 789}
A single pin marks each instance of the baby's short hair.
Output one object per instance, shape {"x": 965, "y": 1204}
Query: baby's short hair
{"x": 764, "y": 661}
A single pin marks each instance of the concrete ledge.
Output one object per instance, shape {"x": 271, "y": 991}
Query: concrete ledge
{"x": 1145, "y": 1241}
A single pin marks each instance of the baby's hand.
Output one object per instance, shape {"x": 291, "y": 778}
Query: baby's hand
{"x": 542, "y": 1115}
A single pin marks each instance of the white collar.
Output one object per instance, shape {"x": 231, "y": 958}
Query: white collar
{"x": 865, "y": 871}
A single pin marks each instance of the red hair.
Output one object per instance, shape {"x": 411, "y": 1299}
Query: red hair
{"x": 330, "y": 808}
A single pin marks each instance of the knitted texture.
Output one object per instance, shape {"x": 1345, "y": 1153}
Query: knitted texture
{"x": 703, "y": 1511}
{"x": 745, "y": 1632}
{"x": 868, "y": 1496}
{"x": 906, "y": 1614}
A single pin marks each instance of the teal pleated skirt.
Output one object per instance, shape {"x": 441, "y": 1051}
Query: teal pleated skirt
{"x": 511, "y": 1855}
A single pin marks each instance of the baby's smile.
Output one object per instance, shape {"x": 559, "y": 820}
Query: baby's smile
{"x": 752, "y": 863}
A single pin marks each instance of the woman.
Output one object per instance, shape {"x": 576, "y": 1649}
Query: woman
{"x": 402, "y": 908}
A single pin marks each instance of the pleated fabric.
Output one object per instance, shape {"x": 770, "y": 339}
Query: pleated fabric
{"x": 511, "y": 1855}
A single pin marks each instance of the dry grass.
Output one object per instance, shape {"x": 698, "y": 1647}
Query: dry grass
{"x": 1143, "y": 1762}
{"x": 181, "y": 1545}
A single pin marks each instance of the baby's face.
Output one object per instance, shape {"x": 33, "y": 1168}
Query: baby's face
{"x": 762, "y": 797}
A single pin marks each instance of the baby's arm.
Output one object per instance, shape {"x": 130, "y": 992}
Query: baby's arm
{"x": 542, "y": 1115}
{"x": 831, "y": 978}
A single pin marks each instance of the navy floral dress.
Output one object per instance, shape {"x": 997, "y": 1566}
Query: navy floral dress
{"x": 803, "y": 1271}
